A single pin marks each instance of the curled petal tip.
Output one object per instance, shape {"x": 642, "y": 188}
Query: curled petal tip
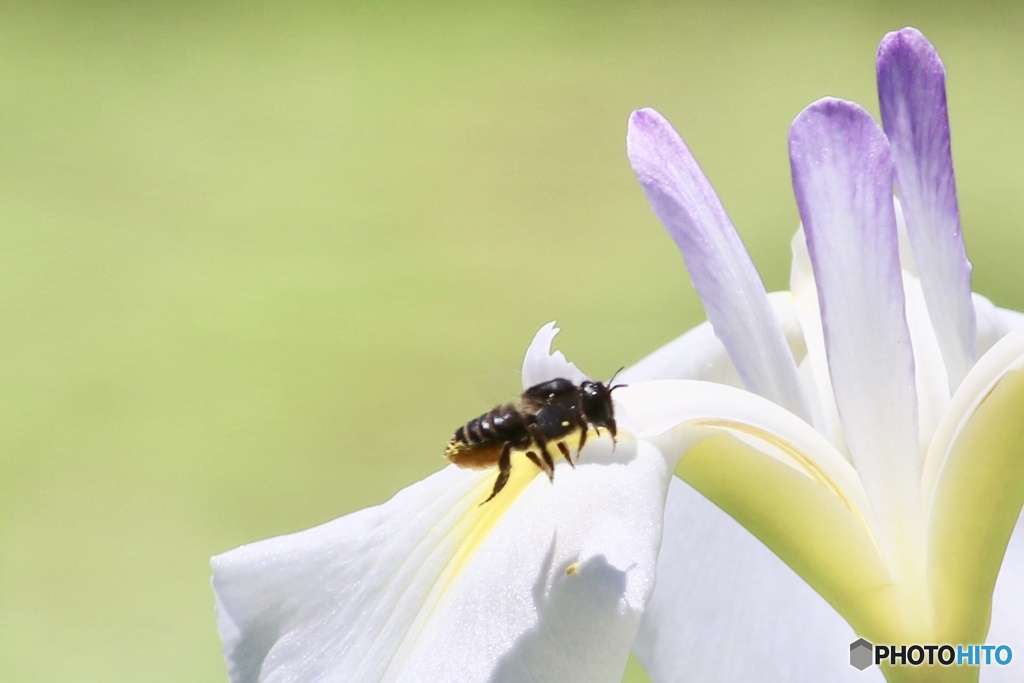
{"x": 541, "y": 363}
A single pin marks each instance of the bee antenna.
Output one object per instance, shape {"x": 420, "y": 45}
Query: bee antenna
{"x": 611, "y": 385}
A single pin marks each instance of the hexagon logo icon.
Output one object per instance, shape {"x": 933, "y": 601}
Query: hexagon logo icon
{"x": 861, "y": 652}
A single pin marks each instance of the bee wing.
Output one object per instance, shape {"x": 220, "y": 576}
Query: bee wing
{"x": 473, "y": 457}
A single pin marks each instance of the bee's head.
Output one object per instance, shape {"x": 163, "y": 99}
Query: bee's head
{"x": 596, "y": 403}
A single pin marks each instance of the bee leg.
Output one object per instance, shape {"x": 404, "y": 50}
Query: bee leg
{"x": 542, "y": 446}
{"x": 504, "y": 469}
{"x": 550, "y": 465}
{"x": 546, "y": 465}
{"x": 544, "y": 460}
{"x": 566, "y": 454}
{"x": 535, "y": 459}
{"x": 583, "y": 439}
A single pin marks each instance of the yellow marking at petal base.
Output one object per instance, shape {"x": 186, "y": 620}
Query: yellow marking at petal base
{"x": 803, "y": 463}
{"x": 572, "y": 568}
{"x": 464, "y": 539}
{"x": 480, "y": 520}
{"x": 978, "y": 497}
{"x": 802, "y": 521}
{"x": 800, "y": 461}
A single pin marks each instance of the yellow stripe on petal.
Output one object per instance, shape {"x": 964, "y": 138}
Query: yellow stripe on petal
{"x": 480, "y": 518}
{"x": 789, "y": 455}
{"x": 978, "y": 497}
{"x": 803, "y": 521}
{"x": 474, "y": 521}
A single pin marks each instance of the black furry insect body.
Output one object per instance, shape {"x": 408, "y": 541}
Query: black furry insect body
{"x": 546, "y": 413}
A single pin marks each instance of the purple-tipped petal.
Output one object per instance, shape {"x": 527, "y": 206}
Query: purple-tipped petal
{"x": 721, "y": 270}
{"x": 912, "y": 95}
{"x": 842, "y": 177}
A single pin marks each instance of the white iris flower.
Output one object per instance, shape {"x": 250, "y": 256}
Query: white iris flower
{"x": 866, "y": 427}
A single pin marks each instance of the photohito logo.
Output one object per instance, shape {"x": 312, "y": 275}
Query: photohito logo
{"x": 863, "y": 654}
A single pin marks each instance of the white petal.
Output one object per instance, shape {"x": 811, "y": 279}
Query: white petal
{"x": 931, "y": 380}
{"x": 660, "y": 407}
{"x": 907, "y": 261}
{"x": 542, "y": 364}
{"x": 814, "y": 368}
{"x": 546, "y": 585}
{"x": 726, "y": 609}
{"x": 1007, "y": 611}
{"x": 699, "y": 354}
{"x": 994, "y": 323}
{"x": 288, "y": 606}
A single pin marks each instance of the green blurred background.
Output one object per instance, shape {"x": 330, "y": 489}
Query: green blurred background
{"x": 257, "y": 263}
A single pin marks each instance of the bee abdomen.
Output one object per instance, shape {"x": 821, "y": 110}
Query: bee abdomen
{"x": 499, "y": 425}
{"x": 478, "y": 443}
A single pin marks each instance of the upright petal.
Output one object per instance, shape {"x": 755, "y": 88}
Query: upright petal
{"x": 722, "y": 272}
{"x": 842, "y": 177}
{"x": 974, "y": 482}
{"x": 912, "y": 95}
{"x": 978, "y": 498}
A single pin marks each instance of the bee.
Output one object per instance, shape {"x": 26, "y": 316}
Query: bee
{"x": 545, "y": 413}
